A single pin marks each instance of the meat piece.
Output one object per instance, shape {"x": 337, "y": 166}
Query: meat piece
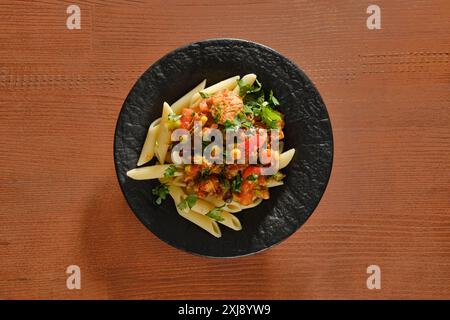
{"x": 231, "y": 170}
{"x": 226, "y": 105}
{"x": 208, "y": 186}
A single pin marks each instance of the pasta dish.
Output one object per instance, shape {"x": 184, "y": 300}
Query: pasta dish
{"x": 218, "y": 150}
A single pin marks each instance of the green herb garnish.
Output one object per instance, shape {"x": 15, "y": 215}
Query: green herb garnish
{"x": 244, "y": 121}
{"x": 252, "y": 177}
{"x": 215, "y": 214}
{"x": 277, "y": 176}
{"x": 204, "y": 173}
{"x": 245, "y": 88}
{"x": 161, "y": 192}
{"x": 231, "y": 124}
{"x": 174, "y": 117}
{"x": 270, "y": 117}
{"x": 204, "y": 95}
{"x": 236, "y": 183}
{"x": 188, "y": 202}
{"x": 170, "y": 171}
{"x": 217, "y": 115}
{"x": 272, "y": 100}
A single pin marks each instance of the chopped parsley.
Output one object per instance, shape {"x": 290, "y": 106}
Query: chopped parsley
{"x": 204, "y": 173}
{"x": 187, "y": 202}
{"x": 256, "y": 105}
{"x": 217, "y": 115}
{"x": 252, "y": 177}
{"x": 170, "y": 171}
{"x": 270, "y": 117}
{"x": 245, "y": 88}
{"x": 215, "y": 214}
{"x": 231, "y": 124}
{"x": 272, "y": 100}
{"x": 277, "y": 176}
{"x": 174, "y": 117}
{"x": 204, "y": 95}
{"x": 244, "y": 121}
{"x": 236, "y": 183}
{"x": 160, "y": 192}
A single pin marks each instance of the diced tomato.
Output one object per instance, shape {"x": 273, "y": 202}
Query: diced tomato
{"x": 262, "y": 180}
{"x": 251, "y": 170}
{"x": 203, "y": 106}
{"x": 191, "y": 172}
{"x": 187, "y": 112}
{"x": 246, "y": 198}
{"x": 186, "y": 118}
{"x": 253, "y": 143}
{"x": 247, "y": 192}
{"x": 208, "y": 186}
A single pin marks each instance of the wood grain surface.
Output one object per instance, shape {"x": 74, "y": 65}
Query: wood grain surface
{"x": 387, "y": 203}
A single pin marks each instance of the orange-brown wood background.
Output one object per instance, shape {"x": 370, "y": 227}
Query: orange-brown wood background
{"x": 387, "y": 202}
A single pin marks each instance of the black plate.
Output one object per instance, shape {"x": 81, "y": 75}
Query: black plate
{"x": 307, "y": 129}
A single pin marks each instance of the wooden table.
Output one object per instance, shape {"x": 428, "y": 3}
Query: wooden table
{"x": 387, "y": 203}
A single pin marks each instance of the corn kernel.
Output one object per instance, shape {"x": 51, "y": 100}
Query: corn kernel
{"x": 236, "y": 153}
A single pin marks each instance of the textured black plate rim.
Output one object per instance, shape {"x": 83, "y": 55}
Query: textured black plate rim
{"x": 277, "y": 54}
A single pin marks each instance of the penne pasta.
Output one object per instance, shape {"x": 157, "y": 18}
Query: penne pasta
{"x": 272, "y": 183}
{"x": 155, "y": 123}
{"x": 254, "y": 204}
{"x": 148, "y": 150}
{"x": 200, "y": 220}
{"x": 248, "y": 79}
{"x": 216, "y": 201}
{"x": 185, "y": 100}
{"x": 285, "y": 158}
{"x": 203, "y": 207}
{"x": 163, "y": 135}
{"x": 176, "y": 193}
{"x": 229, "y": 84}
{"x": 233, "y": 206}
{"x": 151, "y": 172}
{"x": 178, "y": 181}
{"x": 230, "y": 220}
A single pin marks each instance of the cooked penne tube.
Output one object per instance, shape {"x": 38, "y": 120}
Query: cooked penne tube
{"x": 285, "y": 158}
{"x": 272, "y": 183}
{"x": 216, "y": 201}
{"x": 233, "y": 206}
{"x": 185, "y": 100}
{"x": 248, "y": 79}
{"x": 229, "y": 84}
{"x": 176, "y": 193}
{"x": 230, "y": 220}
{"x": 151, "y": 172}
{"x": 178, "y": 181}
{"x": 200, "y": 220}
{"x": 203, "y": 207}
{"x": 148, "y": 150}
{"x": 155, "y": 123}
{"x": 254, "y": 204}
{"x": 163, "y": 135}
